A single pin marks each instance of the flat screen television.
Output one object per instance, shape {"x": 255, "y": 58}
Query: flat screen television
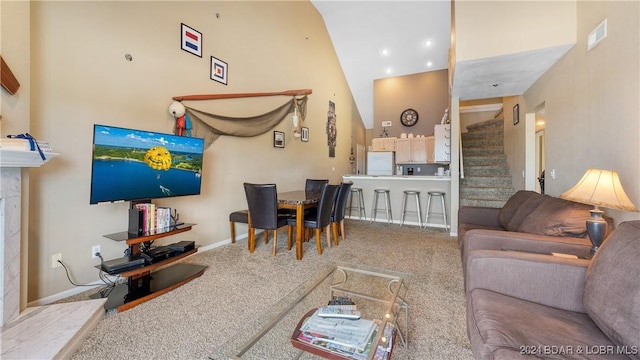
{"x": 130, "y": 165}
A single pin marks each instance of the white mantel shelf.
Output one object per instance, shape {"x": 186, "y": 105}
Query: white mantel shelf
{"x": 18, "y": 158}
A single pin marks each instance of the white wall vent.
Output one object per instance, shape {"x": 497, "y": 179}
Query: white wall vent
{"x": 595, "y": 36}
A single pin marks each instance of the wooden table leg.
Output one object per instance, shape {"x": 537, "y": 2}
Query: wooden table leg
{"x": 299, "y": 227}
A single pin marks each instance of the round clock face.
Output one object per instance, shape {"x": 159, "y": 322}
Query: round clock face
{"x": 409, "y": 117}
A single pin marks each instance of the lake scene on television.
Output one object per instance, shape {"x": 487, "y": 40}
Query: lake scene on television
{"x": 132, "y": 164}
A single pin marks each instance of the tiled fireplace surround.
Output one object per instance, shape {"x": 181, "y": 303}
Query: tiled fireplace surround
{"x": 39, "y": 332}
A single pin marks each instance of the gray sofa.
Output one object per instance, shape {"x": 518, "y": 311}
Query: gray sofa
{"x": 529, "y": 222}
{"x": 525, "y": 305}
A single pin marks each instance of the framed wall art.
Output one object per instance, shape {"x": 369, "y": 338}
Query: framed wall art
{"x": 278, "y": 139}
{"x": 516, "y": 114}
{"x": 191, "y": 40}
{"x": 219, "y": 70}
{"x": 305, "y": 134}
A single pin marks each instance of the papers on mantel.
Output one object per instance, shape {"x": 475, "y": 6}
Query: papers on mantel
{"x": 18, "y": 153}
{"x": 346, "y": 332}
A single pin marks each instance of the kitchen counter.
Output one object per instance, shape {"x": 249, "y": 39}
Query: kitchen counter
{"x": 396, "y": 185}
{"x": 397, "y": 177}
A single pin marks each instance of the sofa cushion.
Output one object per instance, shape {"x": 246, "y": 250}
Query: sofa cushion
{"x": 526, "y": 208}
{"x": 510, "y": 207}
{"x": 557, "y": 217}
{"x": 497, "y": 321}
{"x": 612, "y": 294}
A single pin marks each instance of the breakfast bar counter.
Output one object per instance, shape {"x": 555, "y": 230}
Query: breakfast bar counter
{"x": 396, "y": 184}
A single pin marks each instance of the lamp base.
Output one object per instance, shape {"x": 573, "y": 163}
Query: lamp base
{"x": 596, "y": 228}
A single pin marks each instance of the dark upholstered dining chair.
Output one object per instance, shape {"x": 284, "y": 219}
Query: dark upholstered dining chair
{"x": 321, "y": 219}
{"x": 262, "y": 200}
{"x": 315, "y": 185}
{"x": 339, "y": 210}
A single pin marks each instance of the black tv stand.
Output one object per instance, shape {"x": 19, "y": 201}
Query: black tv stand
{"x": 145, "y": 283}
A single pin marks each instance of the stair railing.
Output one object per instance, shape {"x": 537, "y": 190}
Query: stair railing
{"x": 461, "y": 161}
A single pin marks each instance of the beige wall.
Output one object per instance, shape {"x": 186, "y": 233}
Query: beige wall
{"x": 427, "y": 93}
{"x": 492, "y": 28}
{"x": 14, "y": 44}
{"x": 592, "y": 103}
{"x": 80, "y": 77}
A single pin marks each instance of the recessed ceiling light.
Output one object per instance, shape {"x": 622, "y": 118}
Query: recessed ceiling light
{"x": 429, "y": 63}
{"x": 389, "y": 70}
{"x": 384, "y": 52}
{"x": 428, "y": 43}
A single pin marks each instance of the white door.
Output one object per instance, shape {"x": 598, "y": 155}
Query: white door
{"x": 360, "y": 156}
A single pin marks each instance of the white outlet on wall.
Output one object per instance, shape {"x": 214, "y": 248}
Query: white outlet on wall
{"x": 386, "y": 123}
{"x": 54, "y": 260}
{"x": 95, "y": 249}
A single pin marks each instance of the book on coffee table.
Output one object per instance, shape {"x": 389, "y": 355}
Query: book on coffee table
{"x": 337, "y": 338}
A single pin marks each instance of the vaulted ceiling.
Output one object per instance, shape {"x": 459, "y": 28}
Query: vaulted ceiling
{"x": 362, "y": 30}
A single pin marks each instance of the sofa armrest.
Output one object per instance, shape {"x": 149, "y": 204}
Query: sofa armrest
{"x": 478, "y": 215}
{"x": 545, "y": 279}
{"x": 482, "y": 239}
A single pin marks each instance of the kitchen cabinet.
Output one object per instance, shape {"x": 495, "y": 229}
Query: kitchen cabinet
{"x": 403, "y": 151}
{"x": 442, "y": 143}
{"x": 430, "y": 149}
{"x": 414, "y": 150}
{"x": 383, "y": 144}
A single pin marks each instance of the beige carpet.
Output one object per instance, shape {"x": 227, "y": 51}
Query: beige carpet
{"x": 200, "y": 319}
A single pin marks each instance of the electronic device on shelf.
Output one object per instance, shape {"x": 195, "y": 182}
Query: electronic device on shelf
{"x": 130, "y": 164}
{"x": 121, "y": 264}
{"x": 182, "y": 246}
{"x": 156, "y": 254}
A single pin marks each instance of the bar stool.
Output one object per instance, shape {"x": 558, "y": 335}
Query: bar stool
{"x": 360, "y": 204}
{"x": 387, "y": 205}
{"x": 408, "y": 193}
{"x": 441, "y": 194}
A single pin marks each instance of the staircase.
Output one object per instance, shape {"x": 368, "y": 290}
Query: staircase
{"x": 487, "y": 180}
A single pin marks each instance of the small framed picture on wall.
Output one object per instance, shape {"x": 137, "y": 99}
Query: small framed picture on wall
{"x": 516, "y": 114}
{"x": 219, "y": 70}
{"x": 191, "y": 40}
{"x": 278, "y": 139}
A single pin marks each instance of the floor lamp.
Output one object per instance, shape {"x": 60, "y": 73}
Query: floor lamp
{"x": 599, "y": 188}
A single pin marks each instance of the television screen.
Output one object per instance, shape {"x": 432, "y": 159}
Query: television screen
{"x": 132, "y": 164}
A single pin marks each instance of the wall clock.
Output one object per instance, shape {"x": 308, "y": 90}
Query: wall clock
{"x": 409, "y": 117}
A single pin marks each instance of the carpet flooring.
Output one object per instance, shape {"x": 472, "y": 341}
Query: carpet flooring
{"x": 200, "y": 319}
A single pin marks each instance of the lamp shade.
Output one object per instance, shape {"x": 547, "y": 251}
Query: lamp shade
{"x": 600, "y": 188}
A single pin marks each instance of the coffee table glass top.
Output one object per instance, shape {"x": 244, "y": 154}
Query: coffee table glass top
{"x": 379, "y": 294}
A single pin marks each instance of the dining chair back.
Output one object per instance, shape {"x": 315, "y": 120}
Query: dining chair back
{"x": 321, "y": 219}
{"x": 315, "y": 185}
{"x": 262, "y": 200}
{"x": 340, "y": 209}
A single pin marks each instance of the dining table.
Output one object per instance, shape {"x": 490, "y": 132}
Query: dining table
{"x": 298, "y": 200}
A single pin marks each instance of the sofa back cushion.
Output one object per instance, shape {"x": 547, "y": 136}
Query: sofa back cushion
{"x": 510, "y": 207}
{"x": 557, "y": 217}
{"x": 526, "y": 208}
{"x": 612, "y": 290}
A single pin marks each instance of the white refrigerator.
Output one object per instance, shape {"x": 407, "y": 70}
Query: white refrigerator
{"x": 380, "y": 163}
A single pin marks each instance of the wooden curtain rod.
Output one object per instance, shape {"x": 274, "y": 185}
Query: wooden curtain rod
{"x": 242, "y": 95}
{"x": 8, "y": 80}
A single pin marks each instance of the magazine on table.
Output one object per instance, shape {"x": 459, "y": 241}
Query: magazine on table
{"x": 346, "y": 332}
{"x": 346, "y": 341}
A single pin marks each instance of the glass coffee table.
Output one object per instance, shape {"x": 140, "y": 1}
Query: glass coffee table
{"x": 378, "y": 294}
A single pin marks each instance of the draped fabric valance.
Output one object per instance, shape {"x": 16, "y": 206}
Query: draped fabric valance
{"x": 211, "y": 126}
